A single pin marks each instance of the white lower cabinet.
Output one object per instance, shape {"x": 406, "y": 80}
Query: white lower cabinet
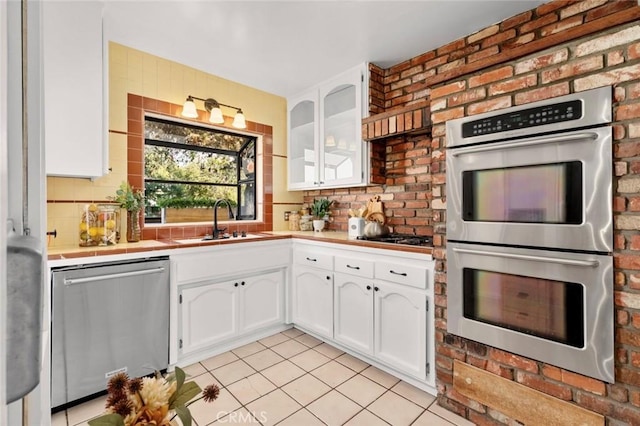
{"x": 313, "y": 299}
{"x": 383, "y": 320}
{"x": 214, "y": 312}
{"x": 400, "y": 327}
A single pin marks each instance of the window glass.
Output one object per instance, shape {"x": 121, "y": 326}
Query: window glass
{"x": 187, "y": 168}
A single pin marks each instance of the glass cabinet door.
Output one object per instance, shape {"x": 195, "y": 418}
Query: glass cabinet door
{"x": 303, "y": 157}
{"x": 340, "y": 141}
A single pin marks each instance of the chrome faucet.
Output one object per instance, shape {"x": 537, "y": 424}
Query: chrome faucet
{"x": 216, "y": 231}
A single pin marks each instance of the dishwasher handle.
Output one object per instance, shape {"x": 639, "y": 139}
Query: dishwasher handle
{"x": 72, "y": 281}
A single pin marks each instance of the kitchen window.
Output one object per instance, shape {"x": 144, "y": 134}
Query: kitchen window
{"x": 187, "y": 167}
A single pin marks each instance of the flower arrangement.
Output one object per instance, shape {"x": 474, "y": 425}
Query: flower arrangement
{"x": 129, "y": 198}
{"x": 151, "y": 400}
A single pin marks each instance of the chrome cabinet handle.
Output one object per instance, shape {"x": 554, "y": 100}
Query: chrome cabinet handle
{"x": 571, "y": 262}
{"x": 71, "y": 281}
{"x": 353, "y": 267}
{"x": 404, "y": 274}
{"x": 311, "y": 259}
{"x": 528, "y": 142}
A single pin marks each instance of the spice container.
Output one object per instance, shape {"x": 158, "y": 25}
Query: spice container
{"x": 88, "y": 225}
{"x": 294, "y": 221}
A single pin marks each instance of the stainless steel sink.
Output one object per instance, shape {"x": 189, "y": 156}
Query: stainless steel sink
{"x": 208, "y": 239}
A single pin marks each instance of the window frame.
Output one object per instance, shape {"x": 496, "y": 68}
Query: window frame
{"x": 250, "y": 138}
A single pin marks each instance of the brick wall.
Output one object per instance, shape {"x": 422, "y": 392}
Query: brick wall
{"x": 558, "y": 48}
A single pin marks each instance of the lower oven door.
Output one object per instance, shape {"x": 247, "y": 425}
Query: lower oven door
{"x": 553, "y": 307}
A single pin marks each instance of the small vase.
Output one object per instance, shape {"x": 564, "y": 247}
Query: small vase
{"x": 318, "y": 225}
{"x": 133, "y": 226}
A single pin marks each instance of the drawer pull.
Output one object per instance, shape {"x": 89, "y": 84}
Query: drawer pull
{"x": 353, "y": 267}
{"x": 368, "y": 287}
{"x": 404, "y": 274}
{"x": 235, "y": 284}
{"x": 328, "y": 277}
{"x": 376, "y": 289}
{"x": 310, "y": 259}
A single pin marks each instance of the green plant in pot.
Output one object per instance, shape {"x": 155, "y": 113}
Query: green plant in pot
{"x": 132, "y": 200}
{"x": 320, "y": 210}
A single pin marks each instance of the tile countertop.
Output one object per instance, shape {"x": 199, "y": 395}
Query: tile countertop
{"x": 67, "y": 252}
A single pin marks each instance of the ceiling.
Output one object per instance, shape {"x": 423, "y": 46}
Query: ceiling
{"x": 284, "y": 47}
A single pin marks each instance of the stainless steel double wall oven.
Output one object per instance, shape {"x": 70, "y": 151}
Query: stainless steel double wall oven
{"x": 530, "y": 231}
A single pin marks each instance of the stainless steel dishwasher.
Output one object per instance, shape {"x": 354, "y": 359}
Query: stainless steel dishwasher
{"x": 107, "y": 318}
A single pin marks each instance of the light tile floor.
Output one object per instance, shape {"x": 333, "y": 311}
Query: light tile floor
{"x": 294, "y": 379}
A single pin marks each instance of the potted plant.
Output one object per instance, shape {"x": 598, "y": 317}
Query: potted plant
{"x": 132, "y": 201}
{"x": 190, "y": 209}
{"x": 320, "y": 210}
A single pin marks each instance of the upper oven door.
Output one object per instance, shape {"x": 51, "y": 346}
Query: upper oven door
{"x": 550, "y": 191}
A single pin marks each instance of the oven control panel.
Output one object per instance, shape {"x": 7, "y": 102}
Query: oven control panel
{"x": 532, "y": 117}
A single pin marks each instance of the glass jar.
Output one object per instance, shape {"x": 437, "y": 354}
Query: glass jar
{"x": 108, "y": 224}
{"x": 306, "y": 223}
{"x": 294, "y": 221}
{"x": 88, "y": 225}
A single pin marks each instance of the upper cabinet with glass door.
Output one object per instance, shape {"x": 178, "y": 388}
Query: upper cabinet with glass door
{"x": 326, "y": 149}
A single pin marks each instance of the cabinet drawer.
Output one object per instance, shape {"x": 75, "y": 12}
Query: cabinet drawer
{"x": 401, "y": 273}
{"x": 314, "y": 259}
{"x": 349, "y": 265}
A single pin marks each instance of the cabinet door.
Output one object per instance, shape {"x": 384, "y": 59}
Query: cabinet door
{"x": 313, "y": 300}
{"x": 340, "y": 142}
{"x": 208, "y": 314}
{"x": 75, "y": 141}
{"x": 353, "y": 312}
{"x": 303, "y": 133}
{"x": 261, "y": 301}
{"x": 400, "y": 328}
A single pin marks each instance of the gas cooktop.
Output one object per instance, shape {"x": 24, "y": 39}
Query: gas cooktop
{"x": 408, "y": 239}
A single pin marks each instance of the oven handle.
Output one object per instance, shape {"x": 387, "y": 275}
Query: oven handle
{"x": 571, "y": 262}
{"x": 528, "y": 142}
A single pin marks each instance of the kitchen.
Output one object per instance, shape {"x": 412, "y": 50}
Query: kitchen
{"x": 570, "y": 57}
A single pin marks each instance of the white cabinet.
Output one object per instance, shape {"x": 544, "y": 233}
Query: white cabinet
{"x": 313, "y": 299}
{"x": 400, "y": 327}
{"x": 74, "y": 89}
{"x": 210, "y": 313}
{"x": 325, "y": 147}
{"x": 384, "y": 320}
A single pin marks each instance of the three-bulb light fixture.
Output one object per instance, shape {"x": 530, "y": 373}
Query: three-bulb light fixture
{"x": 215, "y": 113}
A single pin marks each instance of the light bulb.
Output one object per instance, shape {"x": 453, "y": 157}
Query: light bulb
{"x": 189, "y": 108}
{"x": 239, "y": 121}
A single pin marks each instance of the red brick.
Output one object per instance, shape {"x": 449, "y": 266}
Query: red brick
{"x": 634, "y": 51}
{"x": 524, "y": 39}
{"x": 513, "y": 360}
{"x": 626, "y": 149}
{"x": 580, "y": 7}
{"x": 594, "y": 403}
{"x": 491, "y": 76}
{"x": 622, "y": 317}
{"x": 513, "y": 84}
{"x": 635, "y": 242}
{"x": 627, "y": 112}
{"x": 618, "y": 132}
{"x": 489, "y": 51}
{"x": 542, "y": 61}
{"x": 626, "y": 299}
{"x": 490, "y": 105}
{"x": 626, "y": 414}
{"x": 516, "y": 20}
{"x": 607, "y": 78}
{"x": 628, "y": 337}
{"x": 635, "y": 398}
{"x": 436, "y": 62}
{"x": 421, "y": 59}
{"x": 451, "y": 65}
{"x": 563, "y": 25}
{"x": 550, "y": 7}
{"x": 615, "y": 58}
{"x": 635, "y": 320}
{"x": 450, "y": 47}
{"x": 619, "y": 242}
{"x": 500, "y": 370}
{"x": 482, "y": 34}
{"x": 626, "y": 261}
{"x": 619, "y": 204}
{"x": 630, "y": 377}
{"x": 439, "y": 92}
{"x": 537, "y": 23}
{"x": 461, "y": 53}
{"x": 620, "y": 168}
{"x": 542, "y": 93}
{"x": 498, "y": 38}
{"x": 446, "y": 115}
{"x": 634, "y": 204}
{"x": 619, "y": 279}
{"x": 608, "y": 41}
{"x": 552, "y": 372}
{"x": 582, "y": 382}
{"x": 633, "y": 91}
{"x": 466, "y": 97}
{"x": 573, "y": 69}
{"x": 537, "y": 382}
